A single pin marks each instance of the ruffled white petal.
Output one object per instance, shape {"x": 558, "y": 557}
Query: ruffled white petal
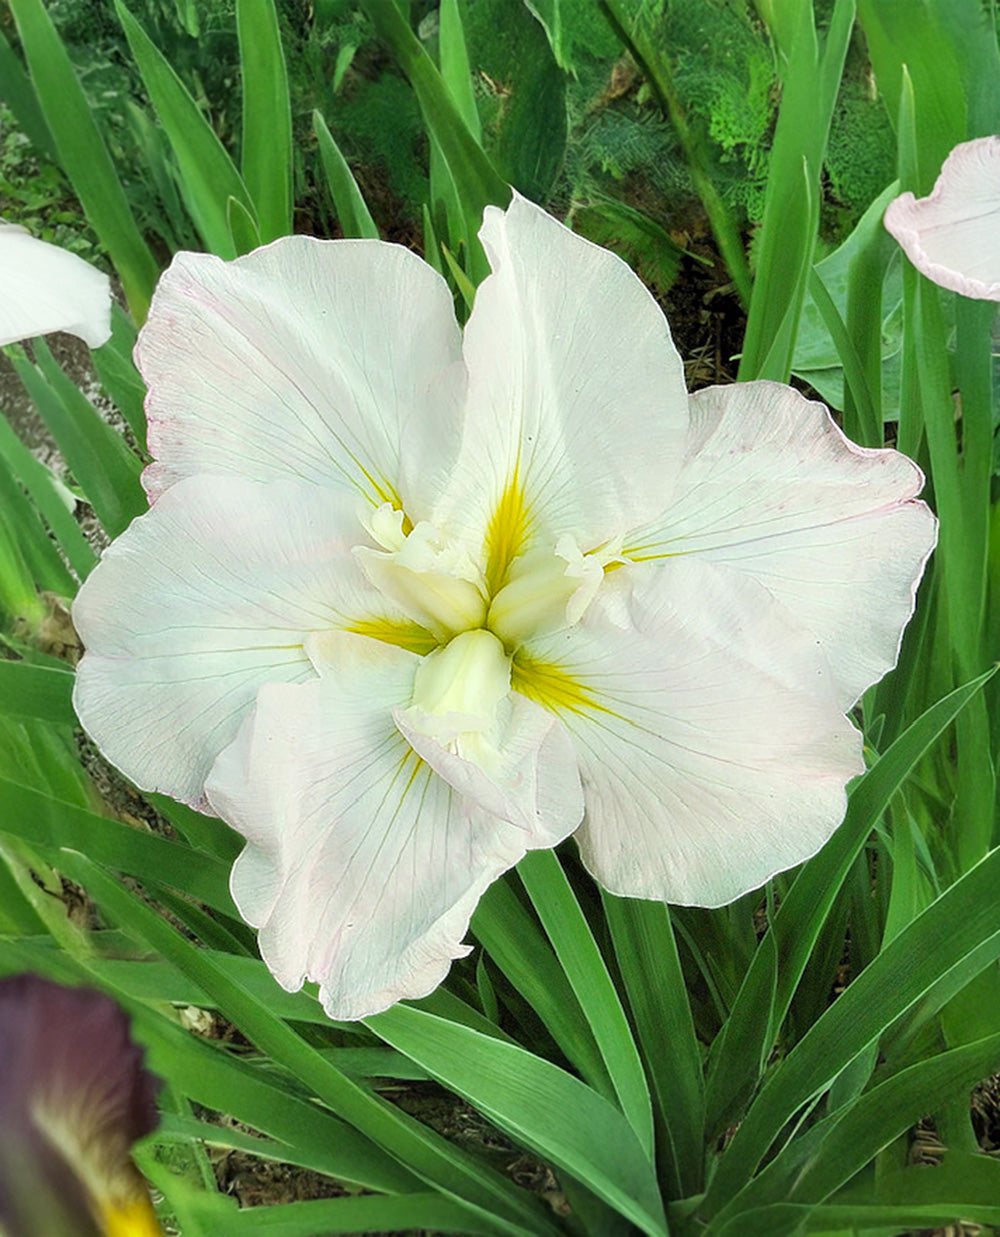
{"x": 712, "y": 749}
{"x": 576, "y": 392}
{"x": 953, "y": 236}
{"x": 44, "y": 288}
{"x": 362, "y": 865}
{"x": 336, "y": 362}
{"x": 210, "y": 594}
{"x": 770, "y": 486}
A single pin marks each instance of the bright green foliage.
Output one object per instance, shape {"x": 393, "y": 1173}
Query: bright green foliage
{"x": 352, "y": 213}
{"x": 581, "y": 960}
{"x": 644, "y": 945}
{"x": 16, "y": 88}
{"x": 724, "y": 73}
{"x": 812, "y": 64}
{"x": 543, "y": 1107}
{"x": 97, "y": 455}
{"x": 207, "y": 172}
{"x": 861, "y": 278}
{"x": 42, "y": 692}
{"x": 267, "y": 119}
{"x": 83, "y": 152}
{"x": 740, "y": 1052}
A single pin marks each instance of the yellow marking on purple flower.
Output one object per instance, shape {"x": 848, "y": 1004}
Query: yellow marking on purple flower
{"x": 133, "y": 1219}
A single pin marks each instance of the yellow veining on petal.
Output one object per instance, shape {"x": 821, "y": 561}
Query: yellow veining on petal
{"x": 638, "y": 556}
{"x": 551, "y": 686}
{"x": 404, "y": 779}
{"x": 384, "y": 490}
{"x": 411, "y": 764}
{"x": 648, "y": 551}
{"x": 403, "y": 634}
{"x": 507, "y": 532}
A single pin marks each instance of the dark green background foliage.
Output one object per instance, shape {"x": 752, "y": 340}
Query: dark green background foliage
{"x": 522, "y": 94}
{"x": 861, "y": 154}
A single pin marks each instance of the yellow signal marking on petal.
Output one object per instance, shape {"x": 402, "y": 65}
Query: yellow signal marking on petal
{"x": 506, "y": 534}
{"x": 384, "y": 490}
{"x": 132, "y": 1219}
{"x": 402, "y": 633}
{"x": 551, "y": 686}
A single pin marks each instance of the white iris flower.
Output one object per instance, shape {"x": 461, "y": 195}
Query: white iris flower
{"x": 409, "y": 605}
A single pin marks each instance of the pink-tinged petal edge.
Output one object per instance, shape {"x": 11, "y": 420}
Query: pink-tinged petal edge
{"x": 772, "y": 487}
{"x": 305, "y": 360}
{"x": 953, "y": 235}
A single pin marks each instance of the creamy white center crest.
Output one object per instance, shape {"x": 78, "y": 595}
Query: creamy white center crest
{"x": 439, "y": 585}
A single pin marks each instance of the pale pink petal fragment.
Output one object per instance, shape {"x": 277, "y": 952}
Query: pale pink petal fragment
{"x": 713, "y": 751}
{"x": 44, "y": 288}
{"x": 362, "y": 866}
{"x": 320, "y": 361}
{"x": 771, "y": 487}
{"x": 207, "y": 596}
{"x": 576, "y": 392}
{"x": 953, "y": 236}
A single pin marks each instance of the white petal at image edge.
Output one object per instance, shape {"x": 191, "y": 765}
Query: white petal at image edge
{"x": 363, "y": 866}
{"x": 953, "y": 235}
{"x": 44, "y": 288}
